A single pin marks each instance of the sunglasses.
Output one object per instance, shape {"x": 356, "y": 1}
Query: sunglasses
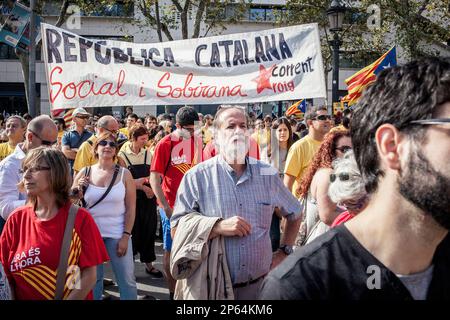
{"x": 33, "y": 169}
{"x": 103, "y": 143}
{"x": 344, "y": 149}
{"x": 323, "y": 117}
{"x": 342, "y": 176}
{"x": 43, "y": 142}
{"x": 83, "y": 117}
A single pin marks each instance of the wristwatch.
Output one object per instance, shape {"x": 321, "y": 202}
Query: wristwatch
{"x": 286, "y": 249}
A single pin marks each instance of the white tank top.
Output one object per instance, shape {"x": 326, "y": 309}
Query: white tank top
{"x": 109, "y": 214}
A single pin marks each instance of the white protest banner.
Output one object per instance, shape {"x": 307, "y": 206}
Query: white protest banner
{"x": 269, "y": 65}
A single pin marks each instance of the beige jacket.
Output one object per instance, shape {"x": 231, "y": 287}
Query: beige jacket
{"x": 199, "y": 265}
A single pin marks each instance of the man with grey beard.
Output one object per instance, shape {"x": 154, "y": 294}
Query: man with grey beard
{"x": 243, "y": 192}
{"x": 398, "y": 247}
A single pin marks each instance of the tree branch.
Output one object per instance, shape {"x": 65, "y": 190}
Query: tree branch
{"x": 177, "y": 5}
{"x": 62, "y": 13}
{"x": 198, "y": 18}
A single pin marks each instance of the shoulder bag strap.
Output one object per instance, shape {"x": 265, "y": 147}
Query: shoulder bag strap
{"x": 87, "y": 172}
{"x": 170, "y": 158}
{"x": 64, "y": 255}
{"x": 116, "y": 171}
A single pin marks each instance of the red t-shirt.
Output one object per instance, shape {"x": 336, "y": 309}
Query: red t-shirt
{"x": 30, "y": 250}
{"x": 183, "y": 154}
{"x": 340, "y": 219}
{"x": 210, "y": 150}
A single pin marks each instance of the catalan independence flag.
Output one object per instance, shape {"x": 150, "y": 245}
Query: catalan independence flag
{"x": 64, "y": 113}
{"x": 297, "y": 108}
{"x": 360, "y": 80}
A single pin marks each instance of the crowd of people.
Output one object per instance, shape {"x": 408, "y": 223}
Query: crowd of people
{"x": 249, "y": 207}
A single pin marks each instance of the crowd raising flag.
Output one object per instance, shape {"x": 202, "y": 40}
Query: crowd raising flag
{"x": 297, "y": 109}
{"x": 360, "y": 80}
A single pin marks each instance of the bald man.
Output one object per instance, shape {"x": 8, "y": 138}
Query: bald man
{"x": 85, "y": 156}
{"x": 41, "y": 131}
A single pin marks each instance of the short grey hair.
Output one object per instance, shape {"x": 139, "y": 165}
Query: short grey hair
{"x": 23, "y": 122}
{"x": 218, "y": 117}
{"x": 348, "y": 190}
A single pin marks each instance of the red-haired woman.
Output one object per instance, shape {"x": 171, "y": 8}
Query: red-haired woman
{"x": 320, "y": 211}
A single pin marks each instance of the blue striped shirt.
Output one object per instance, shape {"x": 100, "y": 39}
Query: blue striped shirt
{"x": 213, "y": 189}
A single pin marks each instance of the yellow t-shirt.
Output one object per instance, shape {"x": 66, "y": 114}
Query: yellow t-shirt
{"x": 125, "y": 132}
{"x": 207, "y": 135}
{"x": 85, "y": 155}
{"x": 5, "y": 150}
{"x": 299, "y": 158}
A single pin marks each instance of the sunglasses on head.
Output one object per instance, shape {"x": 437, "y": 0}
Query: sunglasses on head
{"x": 323, "y": 117}
{"x": 342, "y": 176}
{"x": 103, "y": 143}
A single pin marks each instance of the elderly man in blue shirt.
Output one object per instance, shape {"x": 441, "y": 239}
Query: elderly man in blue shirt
{"x": 244, "y": 192}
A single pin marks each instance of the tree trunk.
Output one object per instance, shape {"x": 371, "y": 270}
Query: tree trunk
{"x": 198, "y": 18}
{"x": 158, "y": 21}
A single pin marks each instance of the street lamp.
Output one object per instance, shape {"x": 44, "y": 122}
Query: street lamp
{"x": 336, "y": 18}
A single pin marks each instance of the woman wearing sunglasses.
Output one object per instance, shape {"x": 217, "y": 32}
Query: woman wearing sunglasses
{"x": 347, "y": 188}
{"x": 110, "y": 196}
{"x": 319, "y": 211}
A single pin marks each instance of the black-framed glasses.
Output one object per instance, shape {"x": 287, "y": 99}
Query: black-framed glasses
{"x": 103, "y": 143}
{"x": 33, "y": 169}
{"x": 323, "y": 117}
{"x": 343, "y": 176}
{"x": 83, "y": 117}
{"x": 190, "y": 130}
{"x": 431, "y": 121}
{"x": 43, "y": 142}
{"x": 344, "y": 149}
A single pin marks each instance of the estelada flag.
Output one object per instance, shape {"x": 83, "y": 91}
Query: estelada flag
{"x": 297, "y": 108}
{"x": 64, "y": 113}
{"x": 360, "y": 80}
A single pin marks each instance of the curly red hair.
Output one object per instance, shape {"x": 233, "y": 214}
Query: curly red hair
{"x": 322, "y": 159}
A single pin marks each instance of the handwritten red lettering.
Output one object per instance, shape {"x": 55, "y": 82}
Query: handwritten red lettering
{"x": 192, "y": 91}
{"x": 84, "y": 88}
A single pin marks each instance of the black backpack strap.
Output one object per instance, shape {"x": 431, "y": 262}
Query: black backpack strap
{"x": 87, "y": 172}
{"x": 116, "y": 172}
{"x": 170, "y": 158}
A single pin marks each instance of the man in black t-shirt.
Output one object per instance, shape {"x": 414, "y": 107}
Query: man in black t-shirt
{"x": 398, "y": 247}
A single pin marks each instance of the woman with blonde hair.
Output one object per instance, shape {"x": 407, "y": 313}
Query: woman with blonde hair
{"x": 30, "y": 245}
{"x": 109, "y": 192}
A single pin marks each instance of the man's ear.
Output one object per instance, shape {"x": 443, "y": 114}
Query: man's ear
{"x": 390, "y": 144}
{"x": 177, "y": 125}
{"x": 28, "y": 136}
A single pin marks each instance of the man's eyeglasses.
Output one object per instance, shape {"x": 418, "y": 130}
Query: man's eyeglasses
{"x": 432, "y": 121}
{"x": 83, "y": 117}
{"x": 103, "y": 143}
{"x": 342, "y": 176}
{"x": 33, "y": 169}
{"x": 190, "y": 130}
{"x": 43, "y": 142}
{"x": 114, "y": 132}
{"x": 323, "y": 117}
{"x": 344, "y": 149}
